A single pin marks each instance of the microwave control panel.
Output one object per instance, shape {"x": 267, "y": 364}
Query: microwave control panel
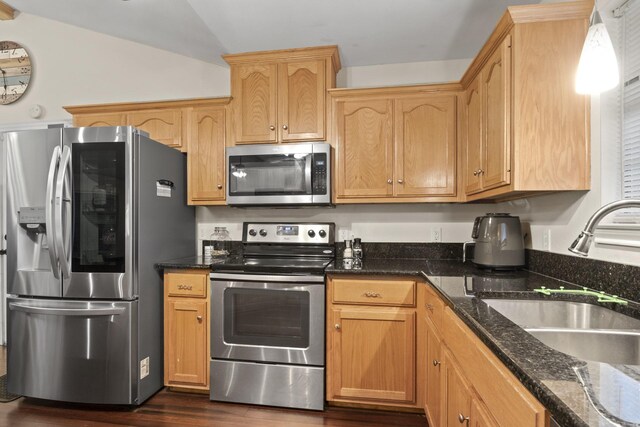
{"x": 319, "y": 172}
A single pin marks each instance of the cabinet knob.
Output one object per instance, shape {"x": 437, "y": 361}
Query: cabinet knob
{"x": 475, "y": 173}
{"x": 272, "y": 127}
{"x": 199, "y": 318}
{"x": 481, "y": 172}
{"x": 285, "y": 127}
{"x": 436, "y": 362}
{"x": 337, "y": 325}
{"x": 219, "y": 186}
{"x": 389, "y": 181}
{"x": 400, "y": 181}
{"x": 462, "y": 419}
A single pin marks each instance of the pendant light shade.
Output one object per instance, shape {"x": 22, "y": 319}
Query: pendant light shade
{"x": 598, "y": 67}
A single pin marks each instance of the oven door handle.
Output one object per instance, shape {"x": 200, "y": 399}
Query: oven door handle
{"x": 266, "y": 278}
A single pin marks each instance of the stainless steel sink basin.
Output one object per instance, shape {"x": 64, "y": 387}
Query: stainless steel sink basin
{"x": 561, "y": 314}
{"x": 585, "y": 331}
{"x": 614, "y": 347}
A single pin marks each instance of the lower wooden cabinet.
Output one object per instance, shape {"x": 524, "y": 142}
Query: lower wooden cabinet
{"x": 186, "y": 329}
{"x": 371, "y": 341}
{"x": 463, "y": 382}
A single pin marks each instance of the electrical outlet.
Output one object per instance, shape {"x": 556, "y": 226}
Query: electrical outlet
{"x": 144, "y": 367}
{"x": 344, "y": 234}
{"x": 546, "y": 240}
{"x": 436, "y": 234}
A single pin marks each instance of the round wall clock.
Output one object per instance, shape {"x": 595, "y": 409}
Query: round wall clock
{"x": 15, "y": 72}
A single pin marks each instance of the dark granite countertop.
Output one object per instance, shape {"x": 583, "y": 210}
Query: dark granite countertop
{"x": 576, "y": 392}
{"x": 197, "y": 262}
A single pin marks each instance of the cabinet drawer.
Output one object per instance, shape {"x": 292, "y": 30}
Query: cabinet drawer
{"x": 186, "y": 284}
{"x": 374, "y": 292}
{"x": 434, "y": 306}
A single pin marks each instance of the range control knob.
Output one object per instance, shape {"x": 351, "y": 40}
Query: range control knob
{"x": 263, "y": 232}
{"x": 252, "y": 232}
{"x": 311, "y": 233}
{"x": 322, "y": 233}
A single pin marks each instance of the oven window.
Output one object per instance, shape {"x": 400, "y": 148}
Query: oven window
{"x": 270, "y": 175}
{"x": 266, "y": 317}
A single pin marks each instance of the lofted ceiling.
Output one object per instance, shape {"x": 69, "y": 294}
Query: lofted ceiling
{"x": 368, "y": 32}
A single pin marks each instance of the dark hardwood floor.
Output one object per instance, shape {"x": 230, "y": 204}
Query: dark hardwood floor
{"x": 181, "y": 409}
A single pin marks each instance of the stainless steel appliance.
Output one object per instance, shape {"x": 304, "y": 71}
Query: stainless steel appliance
{"x": 267, "y": 317}
{"x": 89, "y": 212}
{"x": 497, "y": 241}
{"x": 284, "y": 174}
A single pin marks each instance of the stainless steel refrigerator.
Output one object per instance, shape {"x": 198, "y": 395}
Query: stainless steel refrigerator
{"x": 89, "y": 212}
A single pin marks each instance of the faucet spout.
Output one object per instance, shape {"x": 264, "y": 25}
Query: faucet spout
{"x": 581, "y": 245}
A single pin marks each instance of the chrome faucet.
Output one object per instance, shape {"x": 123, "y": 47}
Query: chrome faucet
{"x": 581, "y": 245}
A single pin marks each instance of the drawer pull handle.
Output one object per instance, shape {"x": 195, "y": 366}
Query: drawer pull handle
{"x": 462, "y": 419}
{"x": 436, "y": 362}
{"x": 337, "y": 325}
{"x": 372, "y": 295}
{"x": 199, "y": 318}
{"x": 185, "y": 287}
{"x": 429, "y": 307}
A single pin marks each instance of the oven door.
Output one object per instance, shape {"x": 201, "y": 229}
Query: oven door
{"x": 277, "y": 319}
{"x": 278, "y": 174}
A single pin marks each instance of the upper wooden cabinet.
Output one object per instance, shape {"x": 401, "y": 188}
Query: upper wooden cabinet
{"x": 165, "y": 121}
{"x": 280, "y": 96}
{"x": 194, "y": 125}
{"x": 525, "y": 129}
{"x": 395, "y": 144}
{"x": 206, "y": 160}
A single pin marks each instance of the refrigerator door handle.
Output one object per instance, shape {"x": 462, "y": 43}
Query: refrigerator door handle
{"x": 49, "y": 204}
{"x": 67, "y": 311}
{"x": 62, "y": 201}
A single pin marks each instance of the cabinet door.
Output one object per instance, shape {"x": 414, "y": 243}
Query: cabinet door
{"x": 496, "y": 81}
{"x": 364, "y": 139}
{"x": 301, "y": 101}
{"x": 206, "y": 161}
{"x": 164, "y": 126}
{"x": 433, "y": 390}
{"x": 372, "y": 355}
{"x": 254, "y": 103}
{"x": 186, "y": 342}
{"x": 101, "y": 119}
{"x": 473, "y": 137}
{"x": 425, "y": 143}
{"x": 480, "y": 416}
{"x": 457, "y": 396}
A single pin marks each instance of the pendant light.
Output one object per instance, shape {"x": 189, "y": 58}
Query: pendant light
{"x": 598, "y": 67}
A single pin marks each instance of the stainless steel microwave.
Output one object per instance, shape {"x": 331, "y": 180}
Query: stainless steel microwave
{"x": 284, "y": 174}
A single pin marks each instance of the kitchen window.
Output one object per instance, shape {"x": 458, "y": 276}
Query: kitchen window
{"x": 620, "y": 113}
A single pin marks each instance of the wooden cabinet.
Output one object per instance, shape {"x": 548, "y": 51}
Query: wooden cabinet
{"x": 371, "y": 348}
{"x": 487, "y": 156}
{"x": 461, "y": 378}
{"x": 280, "y": 96}
{"x": 395, "y": 144}
{"x": 186, "y": 329}
{"x": 525, "y": 130}
{"x": 196, "y": 126}
{"x": 206, "y": 158}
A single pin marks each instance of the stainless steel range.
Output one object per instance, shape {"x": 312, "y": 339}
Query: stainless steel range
{"x": 268, "y": 315}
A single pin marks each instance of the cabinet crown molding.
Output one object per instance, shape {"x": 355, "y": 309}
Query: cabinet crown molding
{"x": 287, "y": 55}
{"x": 524, "y": 15}
{"x": 7, "y": 13}
{"x": 414, "y": 90}
{"x": 149, "y": 105}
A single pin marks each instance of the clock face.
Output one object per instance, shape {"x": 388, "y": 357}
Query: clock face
{"x": 15, "y": 71}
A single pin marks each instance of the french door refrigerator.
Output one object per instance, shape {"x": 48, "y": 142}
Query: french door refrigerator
{"x": 89, "y": 212}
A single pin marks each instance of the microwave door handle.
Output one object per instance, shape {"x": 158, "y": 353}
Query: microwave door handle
{"x": 307, "y": 173}
{"x": 49, "y": 205}
{"x": 61, "y": 202}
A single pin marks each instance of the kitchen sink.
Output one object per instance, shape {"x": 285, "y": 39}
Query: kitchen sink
{"x": 585, "y": 331}
{"x": 614, "y": 347}
{"x": 561, "y": 314}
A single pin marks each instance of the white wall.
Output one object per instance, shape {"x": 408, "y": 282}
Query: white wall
{"x": 74, "y": 66}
